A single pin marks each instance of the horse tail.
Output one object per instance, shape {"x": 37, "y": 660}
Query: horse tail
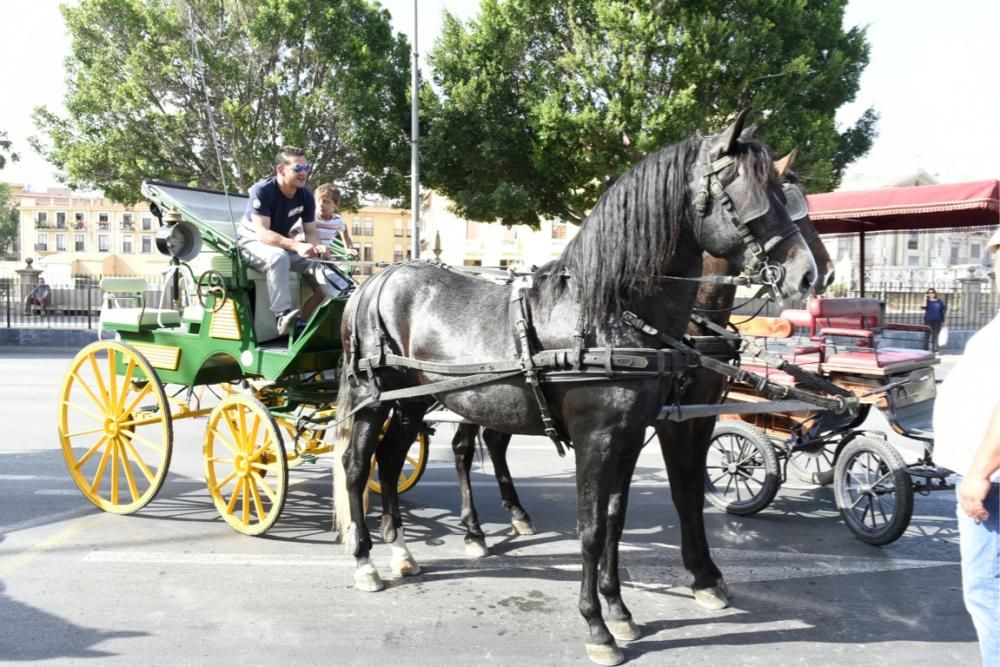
{"x": 346, "y": 399}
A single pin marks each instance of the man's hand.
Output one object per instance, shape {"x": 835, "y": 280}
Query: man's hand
{"x": 305, "y": 249}
{"x": 971, "y": 494}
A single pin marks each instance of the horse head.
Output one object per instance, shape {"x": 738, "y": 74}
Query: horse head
{"x": 740, "y": 214}
{"x": 798, "y": 211}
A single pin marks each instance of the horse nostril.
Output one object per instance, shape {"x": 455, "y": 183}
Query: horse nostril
{"x": 807, "y": 281}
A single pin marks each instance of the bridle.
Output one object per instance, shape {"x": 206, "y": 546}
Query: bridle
{"x": 760, "y": 270}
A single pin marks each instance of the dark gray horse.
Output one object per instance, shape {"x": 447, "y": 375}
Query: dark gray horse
{"x": 684, "y": 444}
{"x": 716, "y": 194}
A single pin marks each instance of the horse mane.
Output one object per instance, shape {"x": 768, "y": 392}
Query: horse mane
{"x": 635, "y": 226}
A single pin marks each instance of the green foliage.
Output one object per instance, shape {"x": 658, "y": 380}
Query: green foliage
{"x": 328, "y": 76}
{"x": 542, "y": 102}
{"x": 8, "y": 220}
{"x": 5, "y": 152}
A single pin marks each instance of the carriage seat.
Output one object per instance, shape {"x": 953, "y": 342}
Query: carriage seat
{"x": 124, "y": 307}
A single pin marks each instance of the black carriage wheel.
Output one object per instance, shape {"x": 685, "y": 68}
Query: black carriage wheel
{"x": 741, "y": 471}
{"x": 212, "y": 283}
{"x": 874, "y": 491}
{"x": 812, "y": 466}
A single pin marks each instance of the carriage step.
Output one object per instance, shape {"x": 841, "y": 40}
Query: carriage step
{"x": 929, "y": 472}
{"x": 307, "y": 458}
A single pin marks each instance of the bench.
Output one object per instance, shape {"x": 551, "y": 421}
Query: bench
{"x": 124, "y": 307}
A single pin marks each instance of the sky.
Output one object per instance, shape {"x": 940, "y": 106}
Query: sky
{"x": 932, "y": 77}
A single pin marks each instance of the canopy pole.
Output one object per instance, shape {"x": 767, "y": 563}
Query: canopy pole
{"x": 415, "y": 147}
{"x": 861, "y": 263}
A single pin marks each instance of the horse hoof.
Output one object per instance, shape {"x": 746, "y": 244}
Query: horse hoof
{"x": 475, "y": 548}
{"x": 605, "y": 654}
{"x": 623, "y": 631}
{"x": 366, "y": 579}
{"x": 522, "y": 527}
{"x": 714, "y": 598}
{"x": 406, "y": 567}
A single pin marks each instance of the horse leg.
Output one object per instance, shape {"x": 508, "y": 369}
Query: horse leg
{"x": 497, "y": 444}
{"x": 685, "y": 447}
{"x": 463, "y": 446}
{"x": 357, "y": 461}
{"x": 595, "y": 467}
{"x": 618, "y": 618}
{"x": 403, "y": 427}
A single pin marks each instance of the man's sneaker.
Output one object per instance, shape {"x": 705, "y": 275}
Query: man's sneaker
{"x": 286, "y": 321}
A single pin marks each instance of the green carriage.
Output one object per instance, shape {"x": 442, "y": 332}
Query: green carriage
{"x": 209, "y": 327}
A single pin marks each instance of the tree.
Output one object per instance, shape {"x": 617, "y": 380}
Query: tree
{"x": 541, "y": 103}
{"x": 8, "y": 207}
{"x": 327, "y": 76}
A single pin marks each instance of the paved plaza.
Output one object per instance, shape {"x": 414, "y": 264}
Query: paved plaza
{"x": 174, "y": 585}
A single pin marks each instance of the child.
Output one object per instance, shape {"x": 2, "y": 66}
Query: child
{"x": 328, "y": 222}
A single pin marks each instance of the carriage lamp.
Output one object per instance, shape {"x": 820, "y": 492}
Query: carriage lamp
{"x": 178, "y": 238}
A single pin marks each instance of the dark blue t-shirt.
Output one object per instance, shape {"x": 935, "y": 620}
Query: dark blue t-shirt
{"x": 267, "y": 199}
{"x": 934, "y": 311}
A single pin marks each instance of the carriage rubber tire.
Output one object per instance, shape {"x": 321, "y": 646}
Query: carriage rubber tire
{"x": 889, "y": 464}
{"x": 763, "y": 451}
{"x": 807, "y": 472}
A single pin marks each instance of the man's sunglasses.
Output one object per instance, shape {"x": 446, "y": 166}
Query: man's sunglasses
{"x": 299, "y": 168}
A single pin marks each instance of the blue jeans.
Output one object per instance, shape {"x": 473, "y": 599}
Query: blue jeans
{"x": 980, "y": 546}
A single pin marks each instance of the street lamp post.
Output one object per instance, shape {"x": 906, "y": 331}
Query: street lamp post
{"x": 415, "y": 147}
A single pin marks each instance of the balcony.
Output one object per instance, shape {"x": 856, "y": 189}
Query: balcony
{"x": 128, "y": 227}
{"x": 103, "y": 226}
{"x": 41, "y": 247}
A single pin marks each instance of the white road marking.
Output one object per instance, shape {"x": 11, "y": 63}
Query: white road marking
{"x": 739, "y": 566}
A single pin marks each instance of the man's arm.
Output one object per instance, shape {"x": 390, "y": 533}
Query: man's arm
{"x": 986, "y": 461}
{"x": 264, "y": 234}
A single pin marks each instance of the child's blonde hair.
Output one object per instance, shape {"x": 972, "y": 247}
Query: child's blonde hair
{"x": 328, "y": 189}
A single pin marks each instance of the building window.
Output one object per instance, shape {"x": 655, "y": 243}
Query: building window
{"x": 397, "y": 252}
{"x": 147, "y": 223}
{"x": 79, "y": 242}
{"x": 843, "y": 247}
{"x": 356, "y": 226}
{"x": 954, "y": 252}
{"x": 913, "y": 260}
{"x": 504, "y": 263}
{"x": 509, "y": 234}
{"x": 559, "y": 230}
{"x": 147, "y": 245}
{"x": 471, "y": 231}
{"x": 79, "y": 221}
{"x": 473, "y": 262}
{"x": 42, "y": 243}
{"x": 127, "y": 221}
{"x": 103, "y": 221}
{"x": 127, "y": 245}
{"x": 397, "y": 229}
{"x": 61, "y": 220}
{"x": 912, "y": 241}
{"x": 103, "y": 243}
{"x": 60, "y": 242}
{"x": 369, "y": 226}
{"x": 368, "y": 253}
{"x": 974, "y": 251}
{"x": 41, "y": 219}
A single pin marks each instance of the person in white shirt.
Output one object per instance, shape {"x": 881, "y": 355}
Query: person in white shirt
{"x": 967, "y": 440}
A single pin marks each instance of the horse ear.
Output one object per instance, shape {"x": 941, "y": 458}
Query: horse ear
{"x": 726, "y": 143}
{"x": 748, "y": 132}
{"x": 785, "y": 163}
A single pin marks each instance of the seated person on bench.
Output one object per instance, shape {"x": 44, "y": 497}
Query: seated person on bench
{"x": 330, "y": 226}
{"x": 275, "y": 205}
{"x": 40, "y": 296}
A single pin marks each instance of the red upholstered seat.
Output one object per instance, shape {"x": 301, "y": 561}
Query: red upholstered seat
{"x": 887, "y": 356}
{"x": 846, "y": 313}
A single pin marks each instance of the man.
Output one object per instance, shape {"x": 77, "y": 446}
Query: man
{"x": 276, "y": 204}
{"x": 967, "y": 440}
{"x": 40, "y": 296}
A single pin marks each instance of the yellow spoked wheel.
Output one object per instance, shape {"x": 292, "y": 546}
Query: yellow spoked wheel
{"x": 413, "y": 467}
{"x": 114, "y": 427}
{"x": 245, "y": 464}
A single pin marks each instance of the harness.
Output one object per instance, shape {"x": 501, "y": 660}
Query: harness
{"x": 600, "y": 364}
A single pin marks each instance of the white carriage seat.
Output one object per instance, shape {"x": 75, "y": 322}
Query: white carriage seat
{"x": 124, "y": 307}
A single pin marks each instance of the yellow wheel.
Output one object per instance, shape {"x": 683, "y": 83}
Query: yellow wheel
{"x": 245, "y": 464}
{"x": 413, "y": 467}
{"x": 114, "y": 427}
